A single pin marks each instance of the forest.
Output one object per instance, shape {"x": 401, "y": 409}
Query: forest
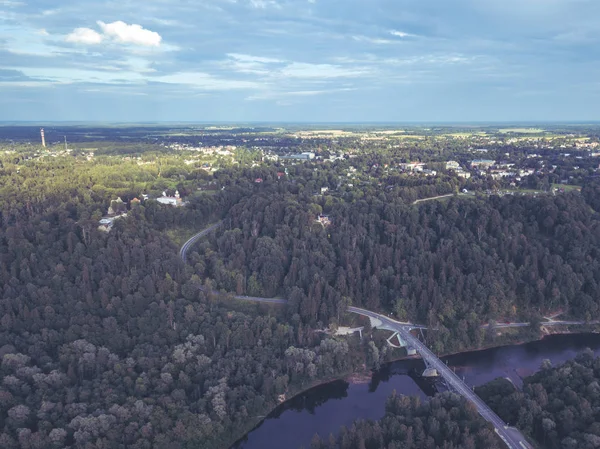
{"x": 558, "y": 406}
{"x": 107, "y": 340}
{"x": 452, "y": 265}
{"x": 446, "y": 421}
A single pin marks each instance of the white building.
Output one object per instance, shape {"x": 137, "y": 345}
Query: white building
{"x": 170, "y": 200}
{"x": 463, "y": 174}
{"x": 482, "y": 163}
{"x": 106, "y": 223}
{"x": 412, "y": 166}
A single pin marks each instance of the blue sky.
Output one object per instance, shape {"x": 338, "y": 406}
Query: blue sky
{"x": 300, "y": 60}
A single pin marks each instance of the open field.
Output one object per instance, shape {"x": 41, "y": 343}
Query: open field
{"x": 566, "y": 187}
{"x": 466, "y": 135}
{"x": 522, "y": 130}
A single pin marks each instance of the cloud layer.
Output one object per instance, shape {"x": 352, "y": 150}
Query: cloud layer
{"x": 303, "y": 60}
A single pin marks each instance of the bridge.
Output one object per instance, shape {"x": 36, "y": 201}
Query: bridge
{"x": 402, "y": 332}
{"x": 511, "y": 436}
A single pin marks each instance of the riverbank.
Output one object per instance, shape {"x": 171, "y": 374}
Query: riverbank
{"x": 358, "y": 375}
{"x": 364, "y": 376}
{"x": 516, "y": 342}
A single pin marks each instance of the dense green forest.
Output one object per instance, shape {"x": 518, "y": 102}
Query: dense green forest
{"x": 452, "y": 265}
{"x": 447, "y": 421}
{"x": 559, "y": 407}
{"x": 107, "y": 340}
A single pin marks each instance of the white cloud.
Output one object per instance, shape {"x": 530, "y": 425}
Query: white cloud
{"x": 372, "y": 40}
{"x": 275, "y": 94}
{"x": 310, "y": 93}
{"x": 256, "y": 65}
{"x": 55, "y": 75}
{"x": 400, "y": 34}
{"x": 5, "y": 84}
{"x": 264, "y": 4}
{"x": 84, "y": 36}
{"x": 130, "y": 34}
{"x": 205, "y": 81}
{"x": 11, "y": 4}
{"x": 250, "y": 58}
{"x": 323, "y": 71}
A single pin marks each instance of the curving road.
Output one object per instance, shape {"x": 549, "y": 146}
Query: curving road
{"x": 187, "y": 245}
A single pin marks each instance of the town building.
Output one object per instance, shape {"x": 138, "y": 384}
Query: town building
{"x": 170, "y": 200}
{"x": 324, "y": 220}
{"x": 106, "y": 223}
{"x": 482, "y": 163}
{"x": 412, "y": 166}
{"x": 302, "y": 156}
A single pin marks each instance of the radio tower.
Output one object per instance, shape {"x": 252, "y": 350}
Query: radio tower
{"x": 43, "y": 138}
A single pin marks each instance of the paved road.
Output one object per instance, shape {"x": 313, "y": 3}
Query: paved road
{"x": 187, "y": 245}
{"x": 542, "y": 323}
{"x": 511, "y": 436}
{"x": 439, "y": 197}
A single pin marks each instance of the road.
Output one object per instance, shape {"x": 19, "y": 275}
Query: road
{"x": 542, "y": 323}
{"x": 187, "y": 245}
{"x": 511, "y": 436}
{"x": 439, "y": 197}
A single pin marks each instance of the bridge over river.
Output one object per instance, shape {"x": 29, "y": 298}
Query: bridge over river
{"x": 510, "y": 435}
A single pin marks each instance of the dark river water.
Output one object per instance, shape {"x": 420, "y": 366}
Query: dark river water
{"x": 326, "y": 408}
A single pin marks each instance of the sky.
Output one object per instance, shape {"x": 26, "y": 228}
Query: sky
{"x": 300, "y": 60}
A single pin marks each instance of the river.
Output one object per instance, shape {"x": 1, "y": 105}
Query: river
{"x": 324, "y": 409}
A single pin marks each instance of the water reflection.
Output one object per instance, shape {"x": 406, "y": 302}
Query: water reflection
{"x": 326, "y": 408}
{"x": 315, "y": 398}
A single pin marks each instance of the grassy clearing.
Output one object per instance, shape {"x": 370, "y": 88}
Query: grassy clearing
{"x": 525, "y": 191}
{"x": 179, "y": 235}
{"x": 567, "y": 187}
